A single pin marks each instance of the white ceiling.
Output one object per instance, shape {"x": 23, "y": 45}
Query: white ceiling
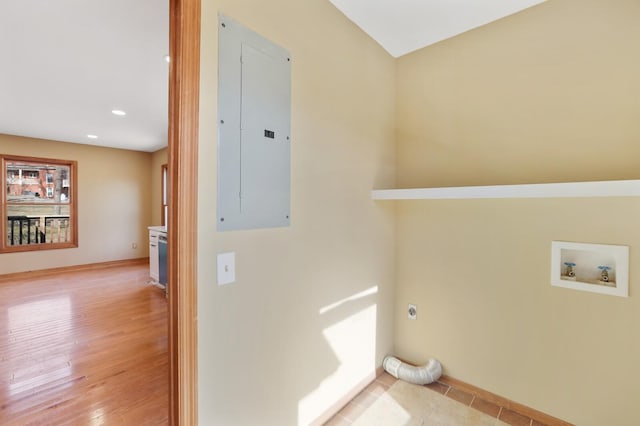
{"x": 402, "y": 26}
{"x": 67, "y": 63}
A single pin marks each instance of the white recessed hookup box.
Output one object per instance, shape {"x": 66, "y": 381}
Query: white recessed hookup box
{"x": 598, "y": 268}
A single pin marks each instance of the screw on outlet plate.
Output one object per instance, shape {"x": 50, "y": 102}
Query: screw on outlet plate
{"x": 412, "y": 312}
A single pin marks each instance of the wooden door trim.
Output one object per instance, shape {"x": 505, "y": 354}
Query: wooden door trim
{"x": 184, "y": 87}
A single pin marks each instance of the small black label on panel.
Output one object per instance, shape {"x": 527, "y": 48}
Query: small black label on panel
{"x": 269, "y": 134}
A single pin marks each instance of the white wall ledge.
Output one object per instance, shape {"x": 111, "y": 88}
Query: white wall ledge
{"x": 613, "y": 188}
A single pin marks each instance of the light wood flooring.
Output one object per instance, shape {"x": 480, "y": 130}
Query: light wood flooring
{"x": 84, "y": 348}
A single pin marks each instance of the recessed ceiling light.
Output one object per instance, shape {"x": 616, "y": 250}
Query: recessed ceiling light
{"x": 118, "y": 112}
{"x": 167, "y": 58}
{"x": 92, "y": 136}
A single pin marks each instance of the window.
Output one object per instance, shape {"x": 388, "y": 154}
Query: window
{"x": 165, "y": 198}
{"x": 39, "y": 204}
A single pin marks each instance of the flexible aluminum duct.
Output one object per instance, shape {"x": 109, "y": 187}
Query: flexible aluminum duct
{"x": 417, "y": 375}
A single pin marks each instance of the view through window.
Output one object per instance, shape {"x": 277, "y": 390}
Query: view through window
{"x": 39, "y": 204}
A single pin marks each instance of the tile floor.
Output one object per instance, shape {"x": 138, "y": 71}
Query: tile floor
{"x": 354, "y": 412}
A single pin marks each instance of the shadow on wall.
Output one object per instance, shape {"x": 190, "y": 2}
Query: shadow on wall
{"x": 349, "y": 328}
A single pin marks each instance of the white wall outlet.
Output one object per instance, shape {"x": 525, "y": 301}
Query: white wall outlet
{"x": 134, "y": 245}
{"x": 226, "y": 268}
{"x": 412, "y": 312}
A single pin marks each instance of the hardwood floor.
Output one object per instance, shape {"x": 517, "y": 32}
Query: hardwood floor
{"x": 84, "y": 348}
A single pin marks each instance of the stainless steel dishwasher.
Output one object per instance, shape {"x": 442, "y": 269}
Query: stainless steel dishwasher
{"x": 162, "y": 259}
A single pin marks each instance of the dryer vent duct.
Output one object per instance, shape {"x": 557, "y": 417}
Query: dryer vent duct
{"x": 423, "y": 375}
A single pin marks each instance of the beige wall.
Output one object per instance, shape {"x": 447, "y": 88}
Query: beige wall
{"x": 278, "y": 347}
{"x": 113, "y": 204}
{"x": 550, "y": 94}
{"x": 158, "y": 158}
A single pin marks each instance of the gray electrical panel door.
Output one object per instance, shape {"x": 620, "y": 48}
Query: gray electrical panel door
{"x": 254, "y": 107}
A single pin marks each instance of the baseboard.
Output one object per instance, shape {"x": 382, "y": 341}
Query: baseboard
{"x": 73, "y": 268}
{"x": 504, "y": 402}
{"x": 342, "y": 402}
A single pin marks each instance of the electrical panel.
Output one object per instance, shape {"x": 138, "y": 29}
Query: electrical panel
{"x": 254, "y": 122}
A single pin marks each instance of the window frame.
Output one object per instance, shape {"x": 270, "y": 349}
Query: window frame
{"x": 164, "y": 194}
{"x": 5, "y": 247}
